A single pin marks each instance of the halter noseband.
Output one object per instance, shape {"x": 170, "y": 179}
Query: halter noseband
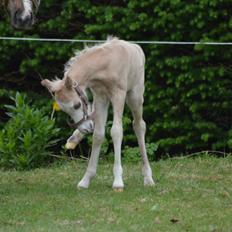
{"x": 84, "y": 102}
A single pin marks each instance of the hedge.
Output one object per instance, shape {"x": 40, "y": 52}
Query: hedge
{"x": 188, "y": 87}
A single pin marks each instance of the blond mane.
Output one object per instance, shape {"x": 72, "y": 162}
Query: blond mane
{"x": 87, "y": 50}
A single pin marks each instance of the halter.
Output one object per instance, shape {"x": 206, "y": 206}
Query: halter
{"x": 84, "y": 101}
{"x": 83, "y": 98}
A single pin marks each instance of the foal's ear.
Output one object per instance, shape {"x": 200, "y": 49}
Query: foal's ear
{"x": 48, "y": 84}
{"x": 52, "y": 86}
{"x": 68, "y": 83}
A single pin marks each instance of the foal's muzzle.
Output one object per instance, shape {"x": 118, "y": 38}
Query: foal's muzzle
{"x": 86, "y": 126}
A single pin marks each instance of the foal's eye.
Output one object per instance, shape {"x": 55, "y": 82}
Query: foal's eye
{"x": 77, "y": 106}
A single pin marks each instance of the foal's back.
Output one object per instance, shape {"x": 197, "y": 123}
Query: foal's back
{"x": 125, "y": 63}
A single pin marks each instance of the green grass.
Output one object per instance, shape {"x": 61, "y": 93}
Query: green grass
{"x": 190, "y": 195}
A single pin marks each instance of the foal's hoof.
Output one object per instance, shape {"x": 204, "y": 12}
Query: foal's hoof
{"x": 79, "y": 188}
{"x": 82, "y": 185}
{"x": 118, "y": 190}
{"x": 70, "y": 146}
{"x": 148, "y": 181}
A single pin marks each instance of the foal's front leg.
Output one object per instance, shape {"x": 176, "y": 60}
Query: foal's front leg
{"x": 101, "y": 109}
{"x": 74, "y": 140}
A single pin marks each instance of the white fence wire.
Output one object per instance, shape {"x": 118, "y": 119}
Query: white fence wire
{"x": 100, "y": 41}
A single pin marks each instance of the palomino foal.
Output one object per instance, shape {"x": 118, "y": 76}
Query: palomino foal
{"x": 114, "y": 72}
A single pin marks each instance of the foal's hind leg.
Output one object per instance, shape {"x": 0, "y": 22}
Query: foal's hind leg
{"x": 118, "y": 101}
{"x": 135, "y": 103}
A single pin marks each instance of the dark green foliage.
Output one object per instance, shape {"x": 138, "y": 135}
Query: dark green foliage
{"x": 132, "y": 154}
{"x": 188, "y": 88}
{"x": 27, "y": 137}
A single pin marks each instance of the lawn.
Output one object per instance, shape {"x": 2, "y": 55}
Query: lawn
{"x": 191, "y": 194}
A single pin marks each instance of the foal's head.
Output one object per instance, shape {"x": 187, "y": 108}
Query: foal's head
{"x": 22, "y": 12}
{"x": 70, "y": 102}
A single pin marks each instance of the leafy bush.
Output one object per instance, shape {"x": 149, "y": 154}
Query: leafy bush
{"x": 27, "y": 137}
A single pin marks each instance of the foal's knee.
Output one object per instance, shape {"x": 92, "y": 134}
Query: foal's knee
{"x": 116, "y": 132}
{"x": 98, "y": 137}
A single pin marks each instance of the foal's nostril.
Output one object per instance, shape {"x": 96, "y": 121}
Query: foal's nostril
{"x": 91, "y": 127}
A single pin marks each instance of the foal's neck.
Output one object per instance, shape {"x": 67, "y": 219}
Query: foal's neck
{"x": 85, "y": 69}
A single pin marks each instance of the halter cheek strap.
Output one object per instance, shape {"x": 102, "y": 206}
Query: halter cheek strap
{"x": 83, "y": 98}
{"x": 84, "y": 102}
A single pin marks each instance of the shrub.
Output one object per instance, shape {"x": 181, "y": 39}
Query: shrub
{"x": 27, "y": 137}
